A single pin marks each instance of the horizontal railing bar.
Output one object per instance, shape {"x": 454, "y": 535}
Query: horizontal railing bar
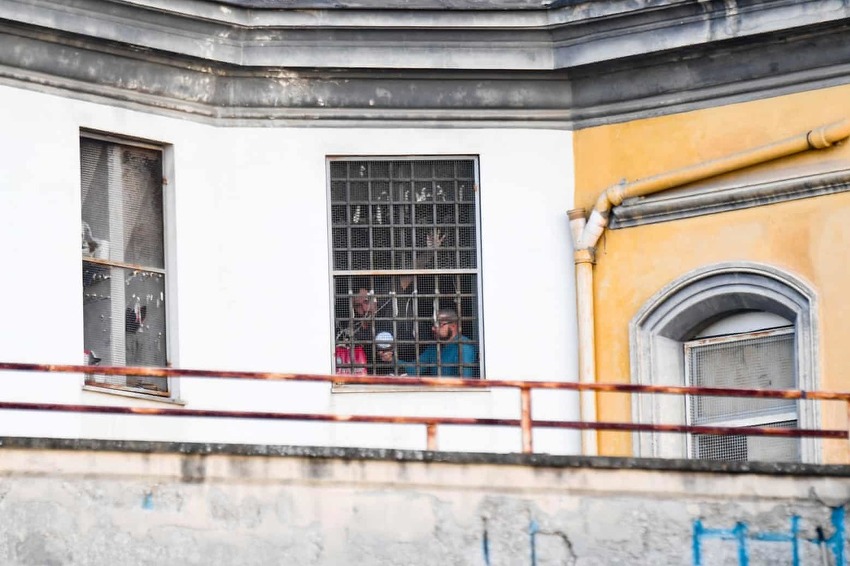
{"x": 420, "y": 420}
{"x": 697, "y": 429}
{"x": 402, "y": 272}
{"x": 445, "y": 382}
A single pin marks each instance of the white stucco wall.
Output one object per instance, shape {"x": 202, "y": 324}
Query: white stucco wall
{"x": 249, "y": 282}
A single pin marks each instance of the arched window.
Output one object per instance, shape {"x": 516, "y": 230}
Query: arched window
{"x": 730, "y": 325}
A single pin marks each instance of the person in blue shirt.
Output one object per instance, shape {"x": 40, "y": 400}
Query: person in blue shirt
{"x": 454, "y": 355}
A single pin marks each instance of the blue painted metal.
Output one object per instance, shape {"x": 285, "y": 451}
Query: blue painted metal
{"x": 839, "y": 517}
{"x": 485, "y": 545}
{"x": 697, "y": 536}
{"x": 533, "y": 529}
{"x": 741, "y": 536}
{"x": 795, "y": 540}
{"x": 836, "y": 541}
{"x": 740, "y": 533}
{"x": 790, "y": 537}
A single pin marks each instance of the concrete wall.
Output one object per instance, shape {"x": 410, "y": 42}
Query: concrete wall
{"x": 136, "y": 503}
{"x": 249, "y": 284}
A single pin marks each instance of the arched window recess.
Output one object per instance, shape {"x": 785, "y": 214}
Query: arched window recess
{"x": 728, "y": 325}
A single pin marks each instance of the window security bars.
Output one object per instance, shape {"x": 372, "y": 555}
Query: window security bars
{"x": 406, "y": 280}
{"x": 764, "y": 360}
{"x": 123, "y": 262}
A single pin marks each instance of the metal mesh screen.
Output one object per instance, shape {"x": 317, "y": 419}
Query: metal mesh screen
{"x": 405, "y": 254}
{"x": 122, "y": 202}
{"x": 765, "y": 362}
{"x": 747, "y": 448}
{"x": 759, "y": 360}
{"x": 123, "y": 261}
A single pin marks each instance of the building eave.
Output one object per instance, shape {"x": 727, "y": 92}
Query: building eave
{"x": 568, "y": 65}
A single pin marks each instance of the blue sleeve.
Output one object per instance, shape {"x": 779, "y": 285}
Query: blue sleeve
{"x": 429, "y": 356}
{"x": 467, "y": 359}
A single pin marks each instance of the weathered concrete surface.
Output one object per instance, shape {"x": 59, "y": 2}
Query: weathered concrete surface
{"x": 91, "y": 502}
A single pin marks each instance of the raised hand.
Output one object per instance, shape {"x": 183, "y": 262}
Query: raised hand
{"x": 435, "y": 239}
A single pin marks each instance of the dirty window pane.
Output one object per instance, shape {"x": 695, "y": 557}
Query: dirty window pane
{"x": 123, "y": 262}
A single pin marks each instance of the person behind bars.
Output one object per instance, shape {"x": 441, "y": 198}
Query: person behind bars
{"x": 453, "y": 355}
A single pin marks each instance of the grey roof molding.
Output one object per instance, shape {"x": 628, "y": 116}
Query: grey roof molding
{"x": 697, "y": 201}
{"x": 532, "y": 63}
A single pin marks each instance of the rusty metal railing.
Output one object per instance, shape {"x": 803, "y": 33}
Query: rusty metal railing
{"x": 526, "y": 423}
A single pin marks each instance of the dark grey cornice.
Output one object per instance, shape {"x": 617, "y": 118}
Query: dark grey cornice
{"x": 577, "y": 33}
{"x": 568, "y": 64}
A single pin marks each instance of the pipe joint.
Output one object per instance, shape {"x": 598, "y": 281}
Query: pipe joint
{"x": 617, "y": 193}
{"x": 585, "y": 255}
{"x": 817, "y": 139}
{"x": 576, "y": 214}
{"x": 828, "y": 135}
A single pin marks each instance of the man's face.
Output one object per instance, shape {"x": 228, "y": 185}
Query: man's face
{"x": 444, "y": 329}
{"x": 364, "y": 305}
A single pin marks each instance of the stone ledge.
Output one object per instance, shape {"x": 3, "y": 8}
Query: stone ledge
{"x": 392, "y": 455}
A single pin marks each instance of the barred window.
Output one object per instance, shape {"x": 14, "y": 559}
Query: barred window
{"x": 752, "y": 360}
{"x": 123, "y": 262}
{"x": 405, "y": 267}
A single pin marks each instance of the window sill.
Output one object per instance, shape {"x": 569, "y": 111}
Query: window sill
{"x": 133, "y": 394}
{"x": 358, "y": 388}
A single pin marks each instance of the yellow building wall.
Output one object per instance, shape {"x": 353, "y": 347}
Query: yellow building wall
{"x": 809, "y": 238}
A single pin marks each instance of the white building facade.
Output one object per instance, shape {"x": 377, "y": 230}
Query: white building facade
{"x": 245, "y": 275}
{"x": 241, "y": 169}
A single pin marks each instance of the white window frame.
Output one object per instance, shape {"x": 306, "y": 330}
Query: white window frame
{"x": 171, "y": 395}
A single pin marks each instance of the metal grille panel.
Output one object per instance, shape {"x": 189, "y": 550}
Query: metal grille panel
{"x": 758, "y": 360}
{"x": 405, "y": 233}
{"x": 123, "y": 261}
{"x": 756, "y": 363}
{"x": 747, "y": 448}
{"x": 384, "y": 213}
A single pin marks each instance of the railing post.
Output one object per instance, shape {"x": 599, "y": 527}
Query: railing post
{"x": 431, "y": 431}
{"x": 525, "y": 420}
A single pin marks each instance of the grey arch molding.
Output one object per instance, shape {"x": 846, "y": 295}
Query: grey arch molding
{"x": 679, "y": 310}
{"x": 562, "y": 65}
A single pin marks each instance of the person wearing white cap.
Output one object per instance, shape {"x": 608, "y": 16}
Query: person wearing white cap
{"x": 385, "y": 364}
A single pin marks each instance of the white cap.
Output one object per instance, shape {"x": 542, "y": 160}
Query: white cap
{"x": 384, "y": 340}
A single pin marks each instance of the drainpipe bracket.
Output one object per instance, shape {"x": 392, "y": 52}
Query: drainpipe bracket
{"x": 585, "y": 255}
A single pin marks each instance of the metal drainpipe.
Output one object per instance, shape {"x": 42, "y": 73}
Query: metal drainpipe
{"x": 584, "y": 259}
{"x": 586, "y": 233}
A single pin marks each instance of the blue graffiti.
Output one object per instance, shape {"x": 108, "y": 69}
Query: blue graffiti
{"x": 147, "y": 502}
{"x": 485, "y": 545}
{"x": 740, "y": 534}
{"x": 533, "y": 529}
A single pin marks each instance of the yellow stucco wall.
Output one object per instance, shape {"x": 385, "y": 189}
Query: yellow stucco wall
{"x": 808, "y": 238}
